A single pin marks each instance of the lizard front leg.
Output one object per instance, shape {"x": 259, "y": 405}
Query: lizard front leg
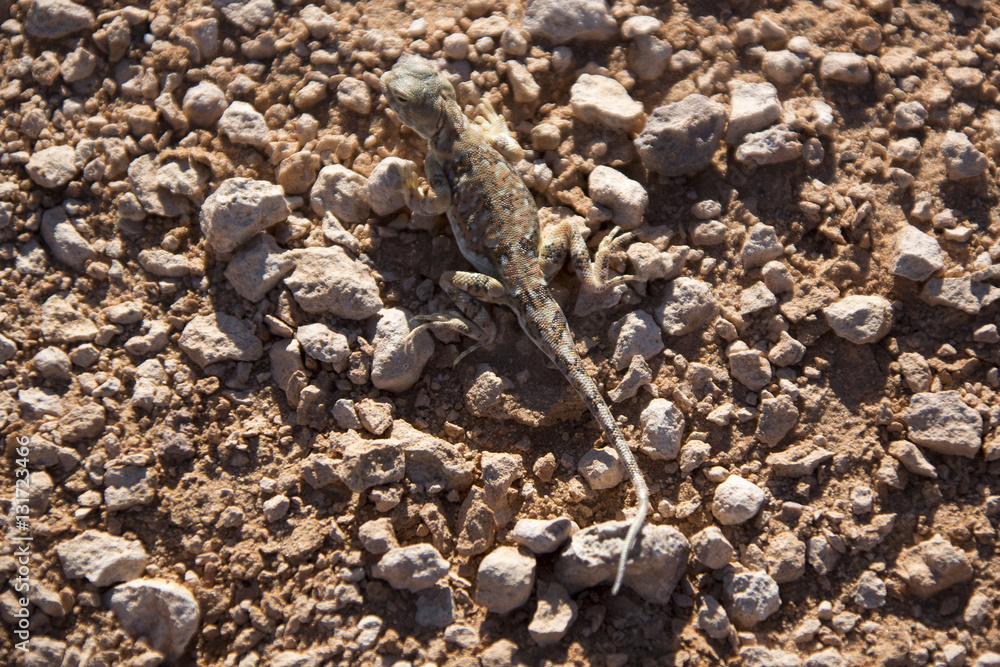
{"x": 564, "y": 239}
{"x": 494, "y": 127}
{"x": 417, "y": 197}
{"x": 468, "y": 291}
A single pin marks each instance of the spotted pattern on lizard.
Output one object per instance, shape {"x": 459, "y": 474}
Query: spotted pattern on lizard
{"x": 495, "y": 223}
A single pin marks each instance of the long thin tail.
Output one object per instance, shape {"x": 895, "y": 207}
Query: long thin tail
{"x": 550, "y": 331}
{"x": 592, "y": 397}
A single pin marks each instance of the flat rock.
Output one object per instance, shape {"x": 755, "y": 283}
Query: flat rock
{"x": 52, "y": 19}
{"x": 662, "y": 430}
{"x": 869, "y": 591}
{"x": 342, "y": 192}
{"x": 554, "y": 615}
{"x": 543, "y": 536}
{"x": 771, "y": 146}
{"x": 209, "y": 339}
{"x": 635, "y": 334}
{"x": 247, "y": 15}
{"x": 752, "y": 597}
{"x": 127, "y": 486}
{"x": 750, "y": 368}
{"x": 65, "y": 242}
{"x": 942, "y": 421}
{"x": 784, "y": 67}
{"x": 368, "y": 463}
{"x": 860, "y": 319}
{"x": 203, "y": 104}
{"x": 560, "y": 21}
{"x": 324, "y": 344}
{"x": 932, "y": 566}
{"x": 84, "y": 421}
{"x": 758, "y": 656}
{"x": 688, "y": 305}
{"x": 912, "y": 458}
{"x": 681, "y": 138}
{"x": 785, "y": 557}
{"x": 155, "y": 200}
{"x": 413, "y": 568}
{"x": 916, "y": 255}
{"x": 505, "y": 579}
{"x": 102, "y": 558}
{"x": 754, "y": 107}
{"x": 476, "y": 524}
{"x": 961, "y": 159}
{"x": 626, "y": 198}
{"x": 711, "y": 548}
{"x": 845, "y": 67}
{"x": 239, "y": 209}
{"x": 778, "y": 416}
{"x": 62, "y": 322}
{"x": 756, "y": 298}
{"x": 435, "y": 607}
{"x": 604, "y": 101}
{"x": 162, "y": 612}
{"x": 798, "y": 460}
{"x": 822, "y": 555}
{"x": 760, "y": 246}
{"x": 258, "y": 268}
{"x": 961, "y": 293}
{"x": 329, "y": 281}
{"x": 500, "y": 470}
{"x": 163, "y": 264}
{"x": 787, "y": 351}
{"x": 398, "y": 361}
{"x": 653, "y": 569}
{"x": 808, "y": 298}
{"x": 386, "y": 185}
{"x": 244, "y": 125}
{"x": 431, "y": 461}
{"x": 602, "y": 468}
{"x": 53, "y": 364}
{"x": 712, "y": 618}
{"x": 53, "y": 167}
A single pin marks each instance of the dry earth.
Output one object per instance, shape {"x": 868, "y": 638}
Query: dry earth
{"x": 181, "y": 415}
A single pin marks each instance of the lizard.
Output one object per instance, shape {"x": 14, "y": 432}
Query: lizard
{"x": 494, "y": 218}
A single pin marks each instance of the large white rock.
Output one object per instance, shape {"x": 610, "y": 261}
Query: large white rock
{"x": 102, "y": 558}
{"x": 603, "y": 100}
{"x": 860, "y": 319}
{"x": 239, "y": 209}
{"x": 916, "y": 255}
{"x": 163, "y": 612}
{"x": 754, "y": 107}
{"x": 943, "y": 422}
{"x": 736, "y": 501}
{"x": 560, "y": 21}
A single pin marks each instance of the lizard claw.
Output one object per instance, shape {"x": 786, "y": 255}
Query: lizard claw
{"x": 613, "y": 242}
{"x": 486, "y": 114}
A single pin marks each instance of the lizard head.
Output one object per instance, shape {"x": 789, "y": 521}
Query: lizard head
{"x": 416, "y": 91}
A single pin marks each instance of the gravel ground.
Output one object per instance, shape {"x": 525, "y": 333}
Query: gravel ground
{"x": 235, "y": 458}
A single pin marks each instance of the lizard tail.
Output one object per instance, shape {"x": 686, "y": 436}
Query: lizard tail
{"x": 591, "y": 395}
{"x": 617, "y": 440}
{"x": 546, "y": 324}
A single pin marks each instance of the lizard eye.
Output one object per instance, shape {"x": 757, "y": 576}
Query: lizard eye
{"x": 403, "y": 99}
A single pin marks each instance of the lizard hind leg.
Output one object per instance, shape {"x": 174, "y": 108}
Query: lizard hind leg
{"x": 602, "y": 258}
{"x": 564, "y": 239}
{"x": 468, "y": 291}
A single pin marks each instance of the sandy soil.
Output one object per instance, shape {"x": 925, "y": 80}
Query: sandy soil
{"x": 207, "y": 438}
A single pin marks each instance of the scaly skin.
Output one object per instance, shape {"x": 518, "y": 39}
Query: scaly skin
{"x": 495, "y": 222}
